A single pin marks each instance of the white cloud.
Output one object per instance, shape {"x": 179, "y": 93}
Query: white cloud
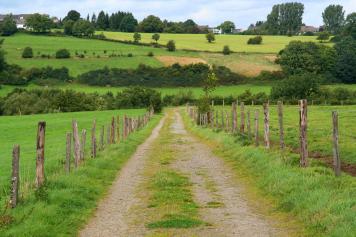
{"x": 242, "y": 12}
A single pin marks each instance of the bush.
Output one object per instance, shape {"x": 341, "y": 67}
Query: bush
{"x": 226, "y": 50}
{"x": 323, "y": 36}
{"x": 150, "y": 54}
{"x": 130, "y": 55}
{"x": 62, "y": 53}
{"x": 255, "y": 40}
{"x": 345, "y": 66}
{"x": 27, "y": 53}
{"x": 309, "y": 33}
{"x": 171, "y": 46}
{"x": 296, "y": 87}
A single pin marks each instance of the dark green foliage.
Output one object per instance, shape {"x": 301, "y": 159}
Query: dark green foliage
{"x": 62, "y": 53}
{"x": 39, "y": 23}
{"x": 72, "y": 15}
{"x": 323, "y": 36}
{"x": 171, "y": 46}
{"x": 150, "y": 54}
{"x": 175, "y": 75}
{"x": 271, "y": 76}
{"x": 309, "y": 33}
{"x": 12, "y": 75}
{"x": 83, "y": 28}
{"x": 102, "y": 22}
{"x": 210, "y": 37}
{"x": 68, "y": 27}
{"x": 139, "y": 97}
{"x": 226, "y": 50}
{"x": 334, "y": 17}
{"x": 296, "y": 87}
{"x": 151, "y": 24}
{"x": 350, "y": 25}
{"x": 285, "y": 19}
{"x": 156, "y": 37}
{"x": 8, "y": 26}
{"x": 255, "y": 40}
{"x": 47, "y": 73}
{"x": 27, "y": 53}
{"x": 227, "y": 27}
{"x": 345, "y": 68}
{"x": 2, "y": 60}
{"x": 137, "y": 37}
{"x": 303, "y": 57}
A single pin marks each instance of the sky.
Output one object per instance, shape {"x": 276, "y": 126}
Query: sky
{"x": 203, "y": 12}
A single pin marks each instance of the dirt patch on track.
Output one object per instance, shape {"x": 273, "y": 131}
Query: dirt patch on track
{"x": 170, "y": 60}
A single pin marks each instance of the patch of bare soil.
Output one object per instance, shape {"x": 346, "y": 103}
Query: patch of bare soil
{"x": 271, "y": 58}
{"x": 113, "y": 215}
{"x": 222, "y": 201}
{"x": 170, "y": 60}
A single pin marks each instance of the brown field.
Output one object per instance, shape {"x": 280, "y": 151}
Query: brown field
{"x": 170, "y": 60}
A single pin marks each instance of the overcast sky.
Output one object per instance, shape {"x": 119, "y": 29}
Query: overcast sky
{"x": 204, "y": 12}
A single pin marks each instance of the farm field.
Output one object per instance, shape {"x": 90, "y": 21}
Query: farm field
{"x": 22, "y": 130}
{"x": 319, "y": 129}
{"x": 14, "y": 46}
{"x": 237, "y": 43}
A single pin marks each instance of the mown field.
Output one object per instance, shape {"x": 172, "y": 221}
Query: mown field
{"x": 237, "y": 43}
{"x": 319, "y": 129}
{"x": 22, "y": 130}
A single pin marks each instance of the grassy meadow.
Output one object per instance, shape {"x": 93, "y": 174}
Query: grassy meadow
{"x": 237, "y": 43}
{"x": 22, "y": 130}
{"x": 319, "y": 128}
{"x": 323, "y": 204}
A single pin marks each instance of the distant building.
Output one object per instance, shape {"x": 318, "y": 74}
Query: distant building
{"x": 236, "y": 31}
{"x": 215, "y": 30}
{"x": 305, "y": 29}
{"x": 19, "y": 19}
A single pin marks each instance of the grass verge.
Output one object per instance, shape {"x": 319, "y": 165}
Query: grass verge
{"x": 66, "y": 203}
{"x": 324, "y": 204}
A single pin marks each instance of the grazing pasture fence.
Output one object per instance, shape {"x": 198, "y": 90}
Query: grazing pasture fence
{"x": 75, "y": 148}
{"x": 312, "y": 132}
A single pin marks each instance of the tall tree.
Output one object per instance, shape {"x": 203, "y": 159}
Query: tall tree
{"x": 227, "y": 27}
{"x": 350, "y": 25}
{"x": 128, "y": 23}
{"x": 8, "y": 26}
{"x": 334, "y": 17}
{"x": 72, "y": 15}
{"x": 345, "y": 68}
{"x": 39, "y": 23}
{"x": 151, "y": 24}
{"x": 272, "y": 23}
{"x": 101, "y": 21}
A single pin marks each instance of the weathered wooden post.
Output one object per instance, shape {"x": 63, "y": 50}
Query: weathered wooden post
{"x": 102, "y": 131}
{"x": 281, "y": 129}
{"x": 118, "y": 129}
{"x": 108, "y": 134}
{"x": 83, "y": 143}
{"x": 303, "y": 125}
{"x": 336, "y": 152}
{"x": 15, "y": 177}
{"x": 76, "y": 142}
{"x": 256, "y": 129}
{"x": 112, "y": 133}
{"x": 227, "y": 128}
{"x": 93, "y": 140}
{"x": 242, "y": 125}
{"x": 68, "y": 151}
{"x": 266, "y": 125}
{"x": 249, "y": 124}
{"x": 40, "y": 175}
{"x": 234, "y": 117}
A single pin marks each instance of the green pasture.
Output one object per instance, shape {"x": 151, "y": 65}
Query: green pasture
{"x": 237, "y": 43}
{"x": 319, "y": 128}
{"x": 22, "y": 130}
{"x": 14, "y": 46}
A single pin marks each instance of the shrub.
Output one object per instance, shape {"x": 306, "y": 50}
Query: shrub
{"x": 137, "y": 37}
{"x": 171, "y": 46}
{"x": 210, "y": 37}
{"x": 150, "y": 54}
{"x": 309, "y": 33}
{"x": 27, "y": 53}
{"x": 255, "y": 40}
{"x": 62, "y": 53}
{"x": 130, "y": 55}
{"x": 226, "y": 50}
{"x": 323, "y": 36}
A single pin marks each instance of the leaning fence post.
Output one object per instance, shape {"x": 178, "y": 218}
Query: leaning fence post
{"x": 93, "y": 140}
{"x": 76, "y": 142}
{"x": 15, "y": 180}
{"x": 266, "y": 125}
{"x": 242, "y": 125}
{"x": 112, "y": 133}
{"x": 40, "y": 175}
{"x": 68, "y": 152}
{"x": 280, "y": 120}
{"x": 336, "y": 152}
{"x": 256, "y": 129}
{"x": 118, "y": 128}
{"x": 303, "y": 124}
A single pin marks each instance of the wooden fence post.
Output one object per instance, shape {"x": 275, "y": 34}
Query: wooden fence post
{"x": 84, "y": 140}
{"x": 281, "y": 128}
{"x": 15, "y": 180}
{"x": 108, "y": 135}
{"x": 118, "y": 129}
{"x": 234, "y": 117}
{"x": 227, "y": 128}
{"x": 76, "y": 142}
{"x": 93, "y": 140}
{"x": 112, "y": 133}
{"x": 222, "y": 120}
{"x": 336, "y": 152}
{"x": 102, "y": 131}
{"x": 303, "y": 125}
{"x": 40, "y": 175}
{"x": 256, "y": 129}
{"x": 266, "y": 125}
{"x": 68, "y": 151}
{"x": 242, "y": 125}
{"x": 249, "y": 124}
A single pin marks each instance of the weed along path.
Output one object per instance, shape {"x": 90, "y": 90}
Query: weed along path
{"x": 175, "y": 186}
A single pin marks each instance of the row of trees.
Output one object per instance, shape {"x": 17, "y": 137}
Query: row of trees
{"x": 8, "y": 26}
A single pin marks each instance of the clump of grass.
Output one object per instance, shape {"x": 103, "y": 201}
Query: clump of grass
{"x": 175, "y": 221}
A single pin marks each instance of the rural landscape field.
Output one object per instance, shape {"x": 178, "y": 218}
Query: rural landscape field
{"x": 161, "y": 119}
